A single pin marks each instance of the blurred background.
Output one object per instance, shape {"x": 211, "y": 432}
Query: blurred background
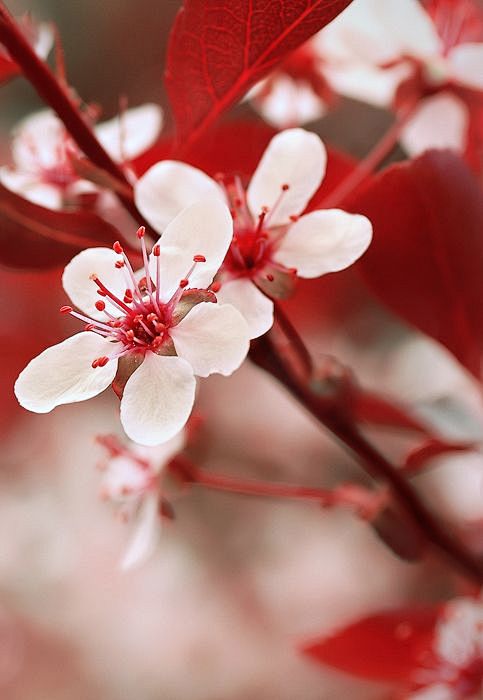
{"x": 237, "y": 583}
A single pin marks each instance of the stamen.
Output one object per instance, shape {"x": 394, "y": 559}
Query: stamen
{"x": 109, "y": 294}
{"x": 100, "y": 362}
{"x": 283, "y": 189}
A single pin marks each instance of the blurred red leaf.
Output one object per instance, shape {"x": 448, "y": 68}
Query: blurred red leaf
{"x": 33, "y": 237}
{"x": 388, "y": 646}
{"x": 8, "y": 68}
{"x": 417, "y": 458}
{"x": 230, "y": 147}
{"x": 376, "y": 410}
{"x": 218, "y": 49}
{"x": 426, "y": 257}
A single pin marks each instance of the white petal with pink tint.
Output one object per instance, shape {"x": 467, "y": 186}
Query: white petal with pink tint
{"x": 157, "y": 399}
{"x": 254, "y": 306}
{"x": 440, "y": 121}
{"x": 287, "y": 102}
{"x": 169, "y": 187}
{"x": 466, "y": 65}
{"x": 213, "y": 338}
{"x": 146, "y": 533}
{"x": 82, "y": 291}
{"x": 159, "y": 455}
{"x": 63, "y": 373}
{"x": 324, "y": 241}
{"x": 380, "y": 31}
{"x": 124, "y": 478}
{"x": 436, "y": 691}
{"x": 44, "y": 40}
{"x": 39, "y": 142}
{"x": 130, "y": 134}
{"x": 367, "y": 83}
{"x": 204, "y": 228}
{"x": 28, "y": 186}
{"x": 296, "y": 158}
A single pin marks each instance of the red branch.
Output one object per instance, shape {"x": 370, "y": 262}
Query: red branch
{"x": 57, "y": 96}
{"x": 333, "y": 415}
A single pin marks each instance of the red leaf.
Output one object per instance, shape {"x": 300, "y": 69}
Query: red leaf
{"x": 385, "y": 647}
{"x": 426, "y": 258}
{"x": 32, "y": 237}
{"x": 218, "y": 49}
{"x": 417, "y": 458}
{"x": 8, "y": 68}
{"x": 374, "y": 409}
{"x": 236, "y": 147}
{"x": 231, "y": 147}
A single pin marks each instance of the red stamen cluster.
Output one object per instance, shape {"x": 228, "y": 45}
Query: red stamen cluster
{"x": 140, "y": 321}
{"x": 253, "y": 244}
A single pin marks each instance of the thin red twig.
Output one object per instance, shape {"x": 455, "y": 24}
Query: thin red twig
{"x": 370, "y": 162}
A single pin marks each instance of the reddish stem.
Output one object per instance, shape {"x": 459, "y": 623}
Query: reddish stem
{"x": 370, "y": 162}
{"x": 333, "y": 415}
{"x": 364, "y": 501}
{"x": 56, "y": 95}
{"x": 294, "y": 338}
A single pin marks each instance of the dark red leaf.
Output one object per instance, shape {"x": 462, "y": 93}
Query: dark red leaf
{"x": 388, "y": 646}
{"x": 32, "y": 237}
{"x": 426, "y": 258}
{"x": 417, "y": 458}
{"x": 235, "y": 147}
{"x": 230, "y": 147}
{"x": 218, "y": 49}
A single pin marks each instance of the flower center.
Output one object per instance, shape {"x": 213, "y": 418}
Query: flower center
{"x": 138, "y": 320}
{"x": 254, "y": 240}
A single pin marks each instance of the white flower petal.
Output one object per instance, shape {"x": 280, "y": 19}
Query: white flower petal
{"x": 213, "y": 338}
{"x": 82, "y": 290}
{"x": 44, "y": 40}
{"x": 39, "y": 142}
{"x": 296, "y": 158}
{"x": 159, "y": 455}
{"x": 466, "y": 65}
{"x": 440, "y": 121}
{"x": 169, "y": 187}
{"x": 63, "y": 373}
{"x": 146, "y": 535}
{"x": 204, "y": 228}
{"x": 254, "y": 306}
{"x": 367, "y": 83}
{"x": 157, "y": 399}
{"x": 324, "y": 241}
{"x": 380, "y": 31}
{"x": 30, "y": 187}
{"x": 128, "y": 135}
{"x": 124, "y": 478}
{"x": 435, "y": 691}
{"x": 287, "y": 102}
